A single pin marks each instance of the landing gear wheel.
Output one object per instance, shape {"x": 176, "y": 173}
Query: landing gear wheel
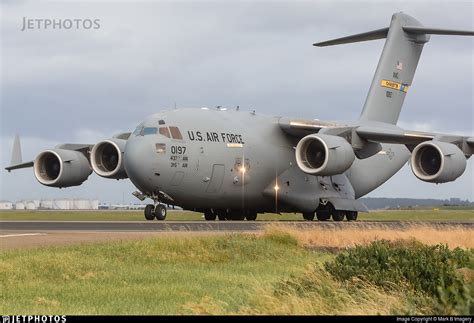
{"x": 323, "y": 215}
{"x": 160, "y": 212}
{"x": 149, "y": 212}
{"x": 236, "y": 216}
{"x": 251, "y": 215}
{"x": 308, "y": 216}
{"x": 351, "y": 215}
{"x": 338, "y": 215}
{"x": 222, "y": 215}
{"x": 209, "y": 215}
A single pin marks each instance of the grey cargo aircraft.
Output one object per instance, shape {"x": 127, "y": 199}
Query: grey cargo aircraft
{"x": 231, "y": 164}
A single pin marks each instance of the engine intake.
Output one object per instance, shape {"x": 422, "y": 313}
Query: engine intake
{"x": 61, "y": 168}
{"x": 437, "y": 162}
{"x": 107, "y": 158}
{"x": 324, "y": 155}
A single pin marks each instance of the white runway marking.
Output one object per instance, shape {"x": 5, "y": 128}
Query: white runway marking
{"x": 21, "y": 235}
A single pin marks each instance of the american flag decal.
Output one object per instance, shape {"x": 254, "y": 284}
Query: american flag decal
{"x": 399, "y": 65}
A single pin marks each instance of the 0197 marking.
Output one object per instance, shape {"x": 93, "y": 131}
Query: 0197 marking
{"x": 178, "y": 150}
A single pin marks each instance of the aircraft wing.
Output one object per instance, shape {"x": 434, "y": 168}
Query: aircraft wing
{"x": 17, "y": 163}
{"x": 77, "y": 147}
{"x": 394, "y": 136}
{"x": 379, "y": 133}
{"x": 303, "y": 127}
{"x": 412, "y": 138}
{"x": 21, "y": 165}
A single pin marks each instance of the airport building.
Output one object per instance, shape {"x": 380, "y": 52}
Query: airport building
{"x": 68, "y": 204}
{"x": 6, "y": 205}
{"x": 51, "y": 204}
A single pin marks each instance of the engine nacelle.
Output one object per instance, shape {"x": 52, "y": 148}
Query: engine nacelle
{"x": 437, "y": 162}
{"x": 107, "y": 158}
{"x": 61, "y": 168}
{"x": 324, "y": 155}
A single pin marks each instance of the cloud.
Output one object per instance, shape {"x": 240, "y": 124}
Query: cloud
{"x": 86, "y": 85}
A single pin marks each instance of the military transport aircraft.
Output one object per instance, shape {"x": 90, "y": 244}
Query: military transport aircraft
{"x": 232, "y": 164}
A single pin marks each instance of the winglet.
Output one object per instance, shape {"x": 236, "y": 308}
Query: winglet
{"x": 17, "y": 162}
{"x": 16, "y": 151}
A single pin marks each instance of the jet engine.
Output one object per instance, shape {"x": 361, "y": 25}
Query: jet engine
{"x": 324, "y": 155}
{"x": 437, "y": 162}
{"x": 107, "y": 158}
{"x": 61, "y": 168}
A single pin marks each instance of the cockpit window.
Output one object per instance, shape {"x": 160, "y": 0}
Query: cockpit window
{"x": 150, "y": 131}
{"x": 165, "y": 132}
{"x": 175, "y": 133}
{"x": 138, "y": 131}
{"x": 161, "y": 122}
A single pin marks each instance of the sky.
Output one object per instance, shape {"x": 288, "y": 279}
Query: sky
{"x": 83, "y": 85}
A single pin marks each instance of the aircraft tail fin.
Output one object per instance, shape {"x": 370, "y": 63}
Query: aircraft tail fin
{"x": 397, "y": 64}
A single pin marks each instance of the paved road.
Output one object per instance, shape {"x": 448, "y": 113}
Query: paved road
{"x": 230, "y": 226}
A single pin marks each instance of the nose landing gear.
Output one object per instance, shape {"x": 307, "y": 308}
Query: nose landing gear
{"x": 158, "y": 212}
{"x": 152, "y": 211}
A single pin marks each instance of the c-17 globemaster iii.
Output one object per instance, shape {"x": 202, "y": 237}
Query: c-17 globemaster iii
{"x": 231, "y": 164}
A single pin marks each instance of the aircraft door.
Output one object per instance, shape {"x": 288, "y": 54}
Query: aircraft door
{"x": 217, "y": 178}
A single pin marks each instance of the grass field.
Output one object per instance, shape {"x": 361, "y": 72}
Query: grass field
{"x": 231, "y": 274}
{"x": 405, "y": 215}
{"x": 153, "y": 276}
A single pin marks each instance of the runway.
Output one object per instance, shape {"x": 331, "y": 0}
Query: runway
{"x": 33, "y": 234}
{"x": 217, "y": 226}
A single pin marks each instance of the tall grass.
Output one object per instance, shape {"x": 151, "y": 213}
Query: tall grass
{"x": 342, "y": 238}
{"x": 149, "y": 276}
{"x": 277, "y": 272}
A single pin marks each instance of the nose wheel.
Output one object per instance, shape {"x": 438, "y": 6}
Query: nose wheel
{"x": 159, "y": 212}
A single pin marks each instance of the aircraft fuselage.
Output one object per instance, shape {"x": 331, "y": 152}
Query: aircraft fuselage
{"x": 217, "y": 158}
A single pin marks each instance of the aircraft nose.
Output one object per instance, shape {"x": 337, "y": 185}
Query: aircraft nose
{"x": 138, "y": 161}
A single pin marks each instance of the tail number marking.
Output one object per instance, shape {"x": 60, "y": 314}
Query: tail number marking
{"x": 394, "y": 85}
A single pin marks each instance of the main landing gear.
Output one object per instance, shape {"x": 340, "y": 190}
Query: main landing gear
{"x": 327, "y": 211}
{"x": 230, "y": 215}
{"x": 158, "y": 212}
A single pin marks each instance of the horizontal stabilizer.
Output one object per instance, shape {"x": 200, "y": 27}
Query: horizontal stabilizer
{"x": 371, "y": 35}
{"x": 436, "y": 31}
{"x": 382, "y": 33}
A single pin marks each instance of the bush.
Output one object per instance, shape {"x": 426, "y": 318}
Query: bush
{"x": 426, "y": 269}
